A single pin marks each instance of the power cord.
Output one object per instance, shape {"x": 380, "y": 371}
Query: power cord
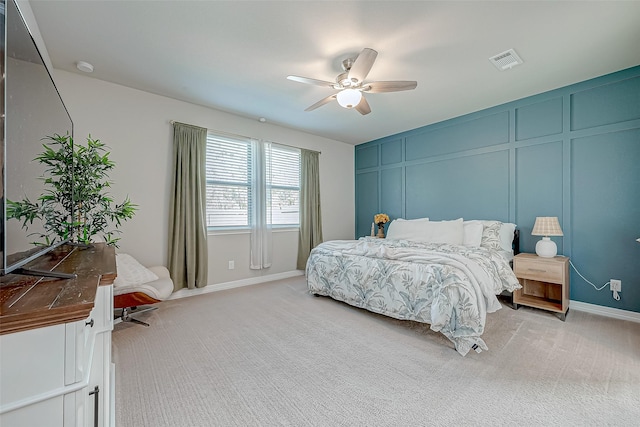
{"x": 616, "y": 295}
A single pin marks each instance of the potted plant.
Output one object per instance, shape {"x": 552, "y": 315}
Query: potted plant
{"x": 75, "y": 204}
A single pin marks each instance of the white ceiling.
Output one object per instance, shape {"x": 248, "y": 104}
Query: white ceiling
{"x": 235, "y": 55}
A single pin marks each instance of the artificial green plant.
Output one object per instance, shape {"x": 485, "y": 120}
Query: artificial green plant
{"x": 75, "y": 204}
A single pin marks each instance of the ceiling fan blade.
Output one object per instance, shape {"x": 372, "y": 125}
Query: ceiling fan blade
{"x": 362, "y": 65}
{"x": 363, "y": 107}
{"x": 322, "y": 102}
{"x": 379, "y": 87}
{"x": 310, "y": 81}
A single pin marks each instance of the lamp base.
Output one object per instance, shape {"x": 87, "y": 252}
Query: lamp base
{"x": 546, "y": 248}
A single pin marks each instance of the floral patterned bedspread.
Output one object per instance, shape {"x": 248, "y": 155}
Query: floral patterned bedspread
{"x": 450, "y": 287}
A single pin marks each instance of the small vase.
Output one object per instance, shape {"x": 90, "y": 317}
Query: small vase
{"x": 380, "y": 234}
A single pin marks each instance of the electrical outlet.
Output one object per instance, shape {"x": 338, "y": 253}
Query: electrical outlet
{"x": 232, "y": 265}
{"x": 616, "y": 285}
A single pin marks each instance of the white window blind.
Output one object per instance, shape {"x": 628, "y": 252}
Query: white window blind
{"x": 229, "y": 167}
{"x": 228, "y": 182}
{"x": 285, "y": 185}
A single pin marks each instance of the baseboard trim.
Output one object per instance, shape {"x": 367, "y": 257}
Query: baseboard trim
{"x": 183, "y": 293}
{"x": 616, "y": 313}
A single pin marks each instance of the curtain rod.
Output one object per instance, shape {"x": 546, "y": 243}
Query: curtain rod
{"x": 233, "y": 135}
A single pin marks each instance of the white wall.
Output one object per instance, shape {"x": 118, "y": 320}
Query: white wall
{"x": 135, "y": 125}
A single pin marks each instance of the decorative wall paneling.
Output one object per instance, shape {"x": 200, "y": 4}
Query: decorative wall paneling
{"x": 573, "y": 153}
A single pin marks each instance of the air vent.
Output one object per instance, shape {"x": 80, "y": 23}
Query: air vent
{"x": 506, "y": 60}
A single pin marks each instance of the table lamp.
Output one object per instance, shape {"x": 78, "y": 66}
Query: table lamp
{"x": 546, "y": 226}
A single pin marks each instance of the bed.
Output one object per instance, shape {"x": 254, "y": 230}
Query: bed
{"x": 443, "y": 273}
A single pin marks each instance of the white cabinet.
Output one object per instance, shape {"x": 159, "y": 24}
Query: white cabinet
{"x": 58, "y": 375}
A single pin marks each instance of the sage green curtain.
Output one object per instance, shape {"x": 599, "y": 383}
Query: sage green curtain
{"x": 187, "y": 256}
{"x": 310, "y": 212}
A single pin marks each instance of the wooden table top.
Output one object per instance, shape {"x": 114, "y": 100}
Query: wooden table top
{"x": 28, "y": 302}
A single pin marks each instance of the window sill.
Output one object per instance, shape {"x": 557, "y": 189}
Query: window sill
{"x": 231, "y": 231}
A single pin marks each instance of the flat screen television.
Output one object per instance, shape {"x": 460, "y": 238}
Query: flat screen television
{"x": 32, "y": 110}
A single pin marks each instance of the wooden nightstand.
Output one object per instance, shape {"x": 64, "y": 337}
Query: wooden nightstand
{"x": 545, "y": 283}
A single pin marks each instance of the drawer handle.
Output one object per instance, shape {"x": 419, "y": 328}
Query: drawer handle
{"x": 537, "y": 269}
{"x": 89, "y": 323}
{"x": 96, "y": 405}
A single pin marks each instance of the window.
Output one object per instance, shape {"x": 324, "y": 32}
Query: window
{"x": 285, "y": 185}
{"x": 228, "y": 182}
{"x": 229, "y": 192}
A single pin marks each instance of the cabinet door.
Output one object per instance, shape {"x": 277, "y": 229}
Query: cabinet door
{"x": 79, "y": 339}
{"x": 99, "y": 391}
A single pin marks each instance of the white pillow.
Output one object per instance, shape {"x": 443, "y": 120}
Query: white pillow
{"x": 404, "y": 228}
{"x": 472, "y": 233}
{"x": 506, "y": 236}
{"x": 451, "y": 232}
{"x": 131, "y": 272}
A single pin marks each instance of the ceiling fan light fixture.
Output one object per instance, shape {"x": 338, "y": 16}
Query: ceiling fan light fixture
{"x": 349, "y": 98}
{"x": 350, "y": 85}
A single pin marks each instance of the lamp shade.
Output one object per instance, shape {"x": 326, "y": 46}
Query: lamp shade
{"x": 349, "y": 98}
{"x": 546, "y": 226}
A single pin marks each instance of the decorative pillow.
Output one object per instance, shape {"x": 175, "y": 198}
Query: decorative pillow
{"x": 451, "y": 232}
{"x": 498, "y": 235}
{"x": 404, "y": 228}
{"x": 472, "y": 233}
{"x": 491, "y": 235}
{"x": 131, "y": 272}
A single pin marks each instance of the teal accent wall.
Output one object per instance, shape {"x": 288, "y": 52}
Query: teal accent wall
{"x": 573, "y": 153}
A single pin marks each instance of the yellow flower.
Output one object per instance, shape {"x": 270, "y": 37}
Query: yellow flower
{"x": 381, "y": 218}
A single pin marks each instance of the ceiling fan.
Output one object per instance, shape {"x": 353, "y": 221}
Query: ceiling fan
{"x": 351, "y": 84}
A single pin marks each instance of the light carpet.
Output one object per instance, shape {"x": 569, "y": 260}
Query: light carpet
{"x": 274, "y": 355}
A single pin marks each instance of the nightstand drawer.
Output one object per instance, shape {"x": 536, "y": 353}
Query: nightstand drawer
{"x": 530, "y": 268}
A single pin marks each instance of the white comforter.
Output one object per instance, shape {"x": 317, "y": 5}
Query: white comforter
{"x": 448, "y": 286}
